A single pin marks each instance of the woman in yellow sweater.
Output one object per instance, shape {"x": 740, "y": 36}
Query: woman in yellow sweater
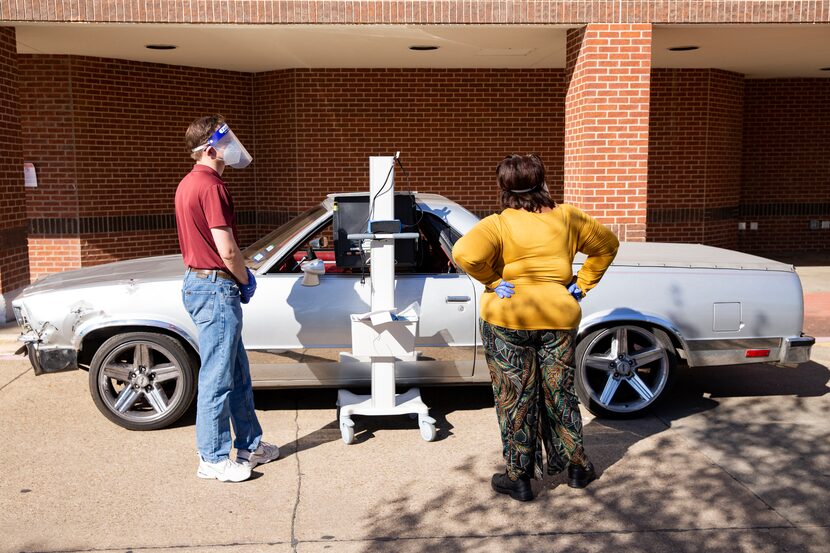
{"x": 529, "y": 316}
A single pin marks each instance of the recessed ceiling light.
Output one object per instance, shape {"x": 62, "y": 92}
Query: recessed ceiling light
{"x": 160, "y": 46}
{"x": 423, "y": 48}
{"x": 683, "y": 48}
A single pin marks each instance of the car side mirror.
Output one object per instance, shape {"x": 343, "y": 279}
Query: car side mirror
{"x": 312, "y": 271}
{"x": 319, "y": 243}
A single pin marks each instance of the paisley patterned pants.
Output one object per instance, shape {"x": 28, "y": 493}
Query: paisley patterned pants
{"x": 532, "y": 372}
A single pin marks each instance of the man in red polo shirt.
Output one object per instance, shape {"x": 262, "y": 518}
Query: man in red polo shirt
{"x": 216, "y": 283}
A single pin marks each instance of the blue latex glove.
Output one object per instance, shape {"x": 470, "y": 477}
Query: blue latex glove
{"x": 575, "y": 291}
{"x": 504, "y": 289}
{"x": 246, "y": 291}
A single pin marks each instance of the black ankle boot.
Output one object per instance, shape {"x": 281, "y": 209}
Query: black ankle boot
{"x": 518, "y": 489}
{"x": 579, "y": 477}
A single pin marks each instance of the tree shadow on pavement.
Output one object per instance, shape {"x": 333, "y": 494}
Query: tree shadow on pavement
{"x": 736, "y": 459}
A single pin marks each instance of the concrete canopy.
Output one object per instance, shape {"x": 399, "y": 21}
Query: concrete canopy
{"x": 757, "y": 51}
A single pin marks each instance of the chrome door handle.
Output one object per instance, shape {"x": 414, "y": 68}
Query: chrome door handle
{"x": 458, "y": 299}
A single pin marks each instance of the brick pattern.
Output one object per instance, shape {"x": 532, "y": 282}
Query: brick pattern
{"x": 311, "y": 131}
{"x": 694, "y": 166}
{"x": 107, "y": 139}
{"x": 46, "y": 116}
{"x": 785, "y": 173}
{"x": 451, "y": 126}
{"x": 606, "y": 124}
{"x": 13, "y": 265}
{"x": 419, "y": 11}
{"x": 723, "y": 157}
{"x": 53, "y": 254}
{"x": 277, "y": 157}
{"x": 106, "y": 248}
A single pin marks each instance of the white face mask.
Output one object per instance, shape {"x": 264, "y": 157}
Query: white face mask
{"x": 229, "y": 148}
{"x": 234, "y": 156}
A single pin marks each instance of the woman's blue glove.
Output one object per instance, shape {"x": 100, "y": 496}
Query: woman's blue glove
{"x": 246, "y": 291}
{"x": 504, "y": 289}
{"x": 575, "y": 291}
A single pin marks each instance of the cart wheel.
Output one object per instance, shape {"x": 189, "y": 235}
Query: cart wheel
{"x": 427, "y": 429}
{"x": 347, "y": 431}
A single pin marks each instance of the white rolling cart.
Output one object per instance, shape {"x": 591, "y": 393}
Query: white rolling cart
{"x": 383, "y": 335}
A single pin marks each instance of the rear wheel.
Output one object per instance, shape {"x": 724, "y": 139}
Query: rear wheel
{"x": 622, "y": 370}
{"x": 142, "y": 380}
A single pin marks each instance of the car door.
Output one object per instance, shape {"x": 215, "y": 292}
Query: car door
{"x": 302, "y": 334}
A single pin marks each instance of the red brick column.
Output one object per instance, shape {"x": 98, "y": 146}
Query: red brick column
{"x": 14, "y": 258}
{"x": 606, "y": 124}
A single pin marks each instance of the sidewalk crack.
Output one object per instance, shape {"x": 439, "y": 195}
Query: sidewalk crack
{"x": 294, "y": 541}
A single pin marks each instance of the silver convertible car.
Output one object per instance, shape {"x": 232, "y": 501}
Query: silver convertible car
{"x": 657, "y": 305}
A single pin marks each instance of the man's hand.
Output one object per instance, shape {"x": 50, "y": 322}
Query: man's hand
{"x": 246, "y": 291}
{"x": 504, "y": 289}
{"x": 575, "y": 291}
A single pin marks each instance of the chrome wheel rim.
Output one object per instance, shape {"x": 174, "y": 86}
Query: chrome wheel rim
{"x": 139, "y": 381}
{"x": 624, "y": 369}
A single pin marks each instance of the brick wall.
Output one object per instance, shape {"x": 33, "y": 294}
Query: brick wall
{"x": 694, "y": 165}
{"x": 276, "y": 156}
{"x": 420, "y": 11}
{"x": 107, "y": 138}
{"x": 786, "y": 174}
{"x": 48, "y": 141}
{"x": 13, "y": 260}
{"x": 452, "y": 127}
{"x": 724, "y": 154}
{"x": 606, "y": 124}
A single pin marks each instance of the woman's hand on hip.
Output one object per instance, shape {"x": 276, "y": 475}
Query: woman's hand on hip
{"x": 504, "y": 289}
{"x": 575, "y": 291}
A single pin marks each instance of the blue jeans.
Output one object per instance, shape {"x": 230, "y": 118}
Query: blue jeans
{"x": 225, "y": 395}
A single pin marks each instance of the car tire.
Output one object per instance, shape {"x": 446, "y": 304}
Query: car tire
{"x": 142, "y": 380}
{"x": 632, "y": 380}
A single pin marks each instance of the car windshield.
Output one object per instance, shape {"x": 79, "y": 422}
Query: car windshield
{"x": 263, "y": 249}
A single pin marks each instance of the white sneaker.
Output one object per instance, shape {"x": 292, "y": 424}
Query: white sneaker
{"x": 226, "y": 470}
{"x": 265, "y": 453}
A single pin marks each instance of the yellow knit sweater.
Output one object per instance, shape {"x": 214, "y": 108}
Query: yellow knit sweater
{"x": 535, "y": 252}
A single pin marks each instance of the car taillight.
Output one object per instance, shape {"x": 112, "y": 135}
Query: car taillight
{"x": 757, "y": 353}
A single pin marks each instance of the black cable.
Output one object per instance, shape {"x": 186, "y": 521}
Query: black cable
{"x": 366, "y": 223}
{"x": 409, "y": 191}
{"x": 378, "y": 193}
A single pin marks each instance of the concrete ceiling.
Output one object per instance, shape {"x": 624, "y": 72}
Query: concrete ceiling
{"x": 758, "y": 51}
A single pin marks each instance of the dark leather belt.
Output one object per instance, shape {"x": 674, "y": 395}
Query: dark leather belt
{"x": 208, "y": 273}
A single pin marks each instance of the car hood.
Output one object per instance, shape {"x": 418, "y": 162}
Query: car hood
{"x": 138, "y": 270}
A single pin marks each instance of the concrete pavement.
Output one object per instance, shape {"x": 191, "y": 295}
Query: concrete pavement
{"x": 737, "y": 459}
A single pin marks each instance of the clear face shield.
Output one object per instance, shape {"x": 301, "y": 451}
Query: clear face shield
{"x": 229, "y": 148}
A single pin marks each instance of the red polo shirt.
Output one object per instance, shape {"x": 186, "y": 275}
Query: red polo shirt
{"x": 202, "y": 203}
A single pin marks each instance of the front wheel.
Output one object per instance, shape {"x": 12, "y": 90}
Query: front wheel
{"x": 142, "y": 380}
{"x": 622, "y": 370}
